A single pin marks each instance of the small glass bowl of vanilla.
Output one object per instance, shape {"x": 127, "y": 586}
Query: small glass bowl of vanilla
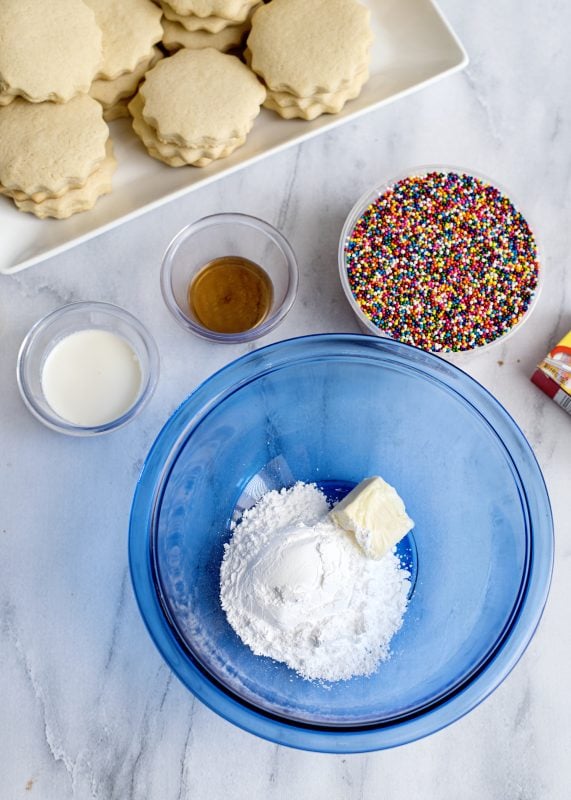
{"x": 87, "y": 368}
{"x": 229, "y": 277}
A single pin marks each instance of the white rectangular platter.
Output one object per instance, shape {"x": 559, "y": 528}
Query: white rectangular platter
{"x": 413, "y": 47}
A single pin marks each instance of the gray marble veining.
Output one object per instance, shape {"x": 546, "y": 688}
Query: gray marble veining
{"x": 87, "y": 707}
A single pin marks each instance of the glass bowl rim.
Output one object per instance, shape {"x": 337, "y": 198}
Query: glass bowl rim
{"x": 54, "y": 421}
{"x": 247, "y": 220}
{"x": 158, "y": 463}
{"x": 378, "y": 190}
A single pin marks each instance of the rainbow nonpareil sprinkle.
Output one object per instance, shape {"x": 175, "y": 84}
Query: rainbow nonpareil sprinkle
{"x": 443, "y": 261}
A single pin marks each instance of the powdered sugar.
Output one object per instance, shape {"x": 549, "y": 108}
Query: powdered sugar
{"x": 298, "y": 589}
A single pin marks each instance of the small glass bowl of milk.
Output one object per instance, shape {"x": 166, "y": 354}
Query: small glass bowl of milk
{"x": 87, "y": 368}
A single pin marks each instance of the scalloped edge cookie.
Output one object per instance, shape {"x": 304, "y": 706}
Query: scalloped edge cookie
{"x": 47, "y": 54}
{"x": 310, "y": 48}
{"x": 76, "y": 200}
{"x": 310, "y": 108}
{"x": 211, "y": 24}
{"x": 176, "y": 36}
{"x": 199, "y": 98}
{"x": 172, "y": 154}
{"x": 130, "y": 28}
{"x": 50, "y": 147}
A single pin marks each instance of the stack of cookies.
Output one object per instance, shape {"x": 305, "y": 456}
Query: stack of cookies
{"x": 176, "y": 36}
{"x": 55, "y": 154}
{"x": 55, "y": 158}
{"x": 312, "y": 56}
{"x": 206, "y": 23}
{"x": 196, "y": 106}
{"x": 130, "y": 32}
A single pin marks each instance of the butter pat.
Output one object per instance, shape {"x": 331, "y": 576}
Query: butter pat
{"x": 375, "y": 514}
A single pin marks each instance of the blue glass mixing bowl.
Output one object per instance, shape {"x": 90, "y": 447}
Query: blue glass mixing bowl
{"x": 334, "y": 409}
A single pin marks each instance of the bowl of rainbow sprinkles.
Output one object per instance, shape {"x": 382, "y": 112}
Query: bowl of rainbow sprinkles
{"x": 441, "y": 259}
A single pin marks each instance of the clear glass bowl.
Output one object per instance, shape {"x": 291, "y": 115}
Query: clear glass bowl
{"x": 59, "y": 324}
{"x": 228, "y": 235}
{"x": 333, "y": 409}
{"x": 367, "y": 325}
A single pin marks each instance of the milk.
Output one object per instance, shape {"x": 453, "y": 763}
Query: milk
{"x": 91, "y": 377}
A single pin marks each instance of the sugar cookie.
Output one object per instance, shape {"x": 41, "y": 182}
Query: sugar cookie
{"x": 310, "y": 108}
{"x": 212, "y": 24}
{"x": 48, "y": 51}
{"x": 50, "y": 147}
{"x": 172, "y": 154}
{"x": 200, "y": 98}
{"x": 290, "y": 106}
{"x": 76, "y": 200}
{"x": 286, "y": 99}
{"x": 309, "y": 48}
{"x": 130, "y": 28}
{"x": 176, "y": 36}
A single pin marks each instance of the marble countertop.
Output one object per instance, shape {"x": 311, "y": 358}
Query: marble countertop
{"x": 88, "y": 709}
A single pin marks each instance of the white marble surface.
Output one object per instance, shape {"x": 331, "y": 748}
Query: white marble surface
{"x": 87, "y": 707}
